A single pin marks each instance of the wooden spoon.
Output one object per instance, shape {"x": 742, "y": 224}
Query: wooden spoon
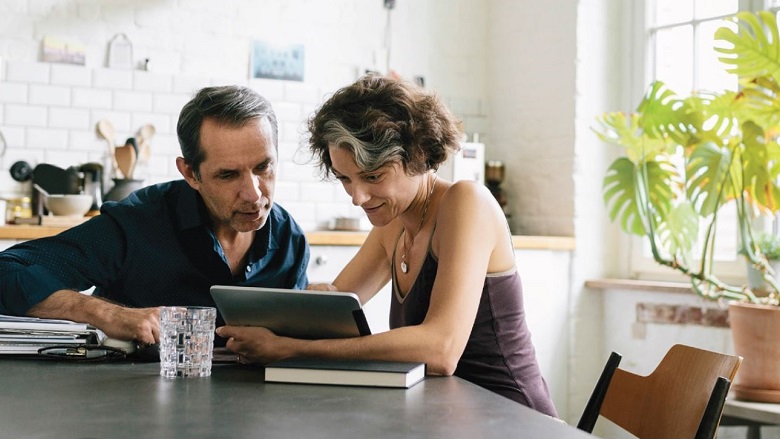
{"x": 125, "y": 157}
{"x": 144, "y": 137}
{"x": 106, "y": 131}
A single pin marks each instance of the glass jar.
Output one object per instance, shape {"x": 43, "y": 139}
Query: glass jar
{"x": 18, "y": 208}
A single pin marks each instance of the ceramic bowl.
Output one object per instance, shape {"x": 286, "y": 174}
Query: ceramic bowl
{"x": 68, "y": 204}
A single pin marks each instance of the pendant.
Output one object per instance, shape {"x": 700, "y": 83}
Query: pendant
{"x": 404, "y": 267}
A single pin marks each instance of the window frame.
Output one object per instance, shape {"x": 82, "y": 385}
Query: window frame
{"x": 642, "y": 68}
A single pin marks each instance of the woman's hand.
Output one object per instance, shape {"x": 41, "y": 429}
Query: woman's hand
{"x": 321, "y": 287}
{"x": 255, "y": 344}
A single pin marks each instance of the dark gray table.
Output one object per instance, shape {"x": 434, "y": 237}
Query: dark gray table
{"x": 46, "y": 399}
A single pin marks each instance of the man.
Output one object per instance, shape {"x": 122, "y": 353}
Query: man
{"x": 167, "y": 244}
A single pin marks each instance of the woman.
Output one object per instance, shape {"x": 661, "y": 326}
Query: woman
{"x": 446, "y": 247}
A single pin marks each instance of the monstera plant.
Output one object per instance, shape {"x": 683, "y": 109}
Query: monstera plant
{"x": 686, "y": 158}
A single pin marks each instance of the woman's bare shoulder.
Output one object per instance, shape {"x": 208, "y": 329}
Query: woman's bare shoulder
{"x": 466, "y": 194}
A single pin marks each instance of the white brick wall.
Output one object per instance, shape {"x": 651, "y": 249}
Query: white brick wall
{"x": 48, "y": 111}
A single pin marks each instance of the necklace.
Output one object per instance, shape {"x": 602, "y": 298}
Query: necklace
{"x": 404, "y": 265}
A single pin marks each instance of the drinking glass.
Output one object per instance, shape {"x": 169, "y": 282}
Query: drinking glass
{"x": 186, "y": 340}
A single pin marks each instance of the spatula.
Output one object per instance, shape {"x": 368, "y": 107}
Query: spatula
{"x": 126, "y": 157}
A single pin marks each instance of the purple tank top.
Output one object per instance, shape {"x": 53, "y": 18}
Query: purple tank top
{"x": 499, "y": 355}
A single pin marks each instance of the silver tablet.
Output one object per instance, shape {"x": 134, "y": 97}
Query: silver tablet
{"x": 292, "y": 313}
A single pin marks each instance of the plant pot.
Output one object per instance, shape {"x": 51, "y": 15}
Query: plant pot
{"x": 756, "y": 281}
{"x": 122, "y": 188}
{"x": 754, "y": 329}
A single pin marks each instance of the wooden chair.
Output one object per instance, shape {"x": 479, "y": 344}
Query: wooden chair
{"x": 682, "y": 398}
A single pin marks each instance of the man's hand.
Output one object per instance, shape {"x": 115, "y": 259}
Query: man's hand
{"x": 139, "y": 324}
{"x": 254, "y": 344}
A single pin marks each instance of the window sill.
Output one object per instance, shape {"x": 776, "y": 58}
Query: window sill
{"x": 640, "y": 285}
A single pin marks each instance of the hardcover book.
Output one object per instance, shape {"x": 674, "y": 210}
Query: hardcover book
{"x": 346, "y": 372}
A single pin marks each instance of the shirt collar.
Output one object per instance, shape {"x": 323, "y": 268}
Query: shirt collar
{"x": 191, "y": 213}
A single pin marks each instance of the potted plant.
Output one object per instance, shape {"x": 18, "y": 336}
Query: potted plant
{"x": 768, "y": 245}
{"x": 686, "y": 158}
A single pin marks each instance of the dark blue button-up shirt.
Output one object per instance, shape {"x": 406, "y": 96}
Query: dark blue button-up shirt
{"x": 154, "y": 248}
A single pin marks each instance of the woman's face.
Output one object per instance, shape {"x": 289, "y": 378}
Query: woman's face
{"x": 383, "y": 194}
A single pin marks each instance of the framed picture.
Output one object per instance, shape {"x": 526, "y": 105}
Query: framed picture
{"x": 60, "y": 50}
{"x": 277, "y": 62}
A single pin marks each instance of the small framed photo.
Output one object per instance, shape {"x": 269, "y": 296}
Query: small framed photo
{"x": 273, "y": 61}
{"x": 60, "y": 50}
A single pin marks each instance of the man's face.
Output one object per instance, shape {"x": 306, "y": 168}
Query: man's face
{"x": 238, "y": 175}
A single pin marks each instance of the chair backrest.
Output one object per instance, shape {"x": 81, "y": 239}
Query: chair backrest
{"x": 682, "y": 398}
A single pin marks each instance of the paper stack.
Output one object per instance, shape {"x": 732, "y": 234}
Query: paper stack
{"x": 26, "y": 335}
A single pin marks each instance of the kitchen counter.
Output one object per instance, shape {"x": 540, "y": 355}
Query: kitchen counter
{"x": 317, "y": 237}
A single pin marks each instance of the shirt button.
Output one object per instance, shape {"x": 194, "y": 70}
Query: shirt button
{"x": 248, "y": 268}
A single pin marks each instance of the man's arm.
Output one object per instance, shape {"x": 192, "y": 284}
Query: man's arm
{"x": 140, "y": 324}
{"x": 42, "y": 277}
{"x": 77, "y": 259}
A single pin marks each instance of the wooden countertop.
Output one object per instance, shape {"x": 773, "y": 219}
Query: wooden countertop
{"x": 324, "y": 237}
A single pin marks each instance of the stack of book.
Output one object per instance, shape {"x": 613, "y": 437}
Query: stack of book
{"x": 26, "y": 335}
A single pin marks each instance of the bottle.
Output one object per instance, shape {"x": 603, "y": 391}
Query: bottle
{"x": 20, "y": 207}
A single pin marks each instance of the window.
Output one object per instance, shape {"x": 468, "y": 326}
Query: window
{"x": 677, "y": 39}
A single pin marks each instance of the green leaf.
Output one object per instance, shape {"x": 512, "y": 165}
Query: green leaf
{"x": 760, "y": 162}
{"x": 761, "y": 101}
{"x": 715, "y": 116}
{"x": 621, "y": 129}
{"x": 708, "y": 170}
{"x": 755, "y": 49}
{"x": 679, "y": 232}
{"x": 625, "y": 193}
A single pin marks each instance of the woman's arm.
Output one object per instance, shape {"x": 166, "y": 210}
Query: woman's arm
{"x": 369, "y": 269}
{"x": 470, "y": 228}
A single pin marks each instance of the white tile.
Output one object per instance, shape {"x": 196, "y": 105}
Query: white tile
{"x": 86, "y": 140}
{"x": 70, "y": 75}
{"x": 302, "y": 212}
{"x": 189, "y": 85}
{"x": 113, "y": 79}
{"x": 14, "y": 136}
{"x": 91, "y": 98}
{"x": 119, "y": 119}
{"x": 148, "y": 81}
{"x": 302, "y": 93}
{"x": 69, "y": 118}
{"x": 26, "y": 115}
{"x": 271, "y": 90}
{"x": 218, "y": 82}
{"x": 27, "y": 72}
{"x": 317, "y": 192}
{"x": 47, "y": 138}
{"x": 288, "y": 112}
{"x": 49, "y": 95}
{"x": 287, "y": 191}
{"x": 288, "y": 151}
{"x": 13, "y": 92}
{"x": 161, "y": 122}
{"x": 166, "y": 144}
{"x": 169, "y": 103}
{"x": 29, "y": 155}
{"x": 132, "y": 101}
{"x": 291, "y": 131}
{"x": 66, "y": 159}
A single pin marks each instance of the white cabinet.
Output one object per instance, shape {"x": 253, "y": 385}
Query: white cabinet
{"x": 6, "y": 243}
{"x": 326, "y": 263}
